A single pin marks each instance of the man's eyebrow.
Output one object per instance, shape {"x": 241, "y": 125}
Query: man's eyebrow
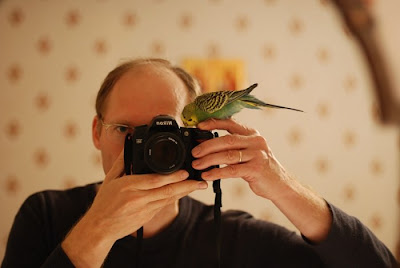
{"x": 122, "y": 122}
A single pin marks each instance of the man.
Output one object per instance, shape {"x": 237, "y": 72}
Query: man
{"x": 96, "y": 225}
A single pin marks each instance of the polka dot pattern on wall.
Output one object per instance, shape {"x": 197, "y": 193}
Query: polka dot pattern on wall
{"x": 300, "y": 54}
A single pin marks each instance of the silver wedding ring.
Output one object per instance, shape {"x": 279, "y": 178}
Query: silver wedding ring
{"x": 240, "y": 156}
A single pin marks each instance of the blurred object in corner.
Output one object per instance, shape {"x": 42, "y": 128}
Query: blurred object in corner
{"x": 368, "y": 31}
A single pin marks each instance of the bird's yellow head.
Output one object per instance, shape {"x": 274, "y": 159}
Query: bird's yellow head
{"x": 188, "y": 115}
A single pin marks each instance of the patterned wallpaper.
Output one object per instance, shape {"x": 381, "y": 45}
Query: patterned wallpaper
{"x": 54, "y": 55}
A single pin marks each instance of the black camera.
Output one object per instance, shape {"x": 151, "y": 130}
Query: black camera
{"x": 163, "y": 147}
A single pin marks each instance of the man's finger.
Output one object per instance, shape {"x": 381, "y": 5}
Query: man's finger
{"x": 229, "y": 125}
{"x": 228, "y": 157}
{"x": 176, "y": 189}
{"x": 151, "y": 181}
{"x": 157, "y": 205}
{"x": 229, "y": 142}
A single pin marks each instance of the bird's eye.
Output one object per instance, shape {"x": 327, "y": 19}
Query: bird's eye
{"x": 190, "y": 119}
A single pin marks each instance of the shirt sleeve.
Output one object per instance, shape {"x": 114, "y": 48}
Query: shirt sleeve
{"x": 29, "y": 243}
{"x": 352, "y": 244}
{"x": 58, "y": 258}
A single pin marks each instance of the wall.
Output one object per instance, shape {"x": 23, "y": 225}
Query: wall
{"x": 54, "y": 55}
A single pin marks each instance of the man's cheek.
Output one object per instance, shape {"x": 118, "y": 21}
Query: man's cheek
{"x": 106, "y": 161}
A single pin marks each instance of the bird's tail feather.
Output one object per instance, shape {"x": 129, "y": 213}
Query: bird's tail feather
{"x": 252, "y": 102}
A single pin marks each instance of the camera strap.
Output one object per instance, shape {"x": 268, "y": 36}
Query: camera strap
{"x": 217, "y": 217}
{"x": 139, "y": 239}
{"x": 217, "y": 214}
{"x": 128, "y": 171}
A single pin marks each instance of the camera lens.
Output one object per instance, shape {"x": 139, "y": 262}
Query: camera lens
{"x": 164, "y": 153}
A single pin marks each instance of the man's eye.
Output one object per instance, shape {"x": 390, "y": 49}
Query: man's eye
{"x": 121, "y": 129}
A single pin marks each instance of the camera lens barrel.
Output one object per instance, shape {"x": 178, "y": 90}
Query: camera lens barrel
{"x": 164, "y": 152}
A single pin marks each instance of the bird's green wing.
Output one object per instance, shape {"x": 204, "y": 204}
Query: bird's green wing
{"x": 211, "y": 102}
{"x": 214, "y": 101}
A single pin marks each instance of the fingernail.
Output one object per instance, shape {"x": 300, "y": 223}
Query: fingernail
{"x": 202, "y": 125}
{"x": 202, "y": 185}
{"x": 196, "y": 150}
{"x": 205, "y": 175}
{"x": 184, "y": 174}
{"x": 196, "y": 163}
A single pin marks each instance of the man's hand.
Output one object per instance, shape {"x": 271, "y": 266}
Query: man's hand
{"x": 122, "y": 205}
{"x": 247, "y": 155}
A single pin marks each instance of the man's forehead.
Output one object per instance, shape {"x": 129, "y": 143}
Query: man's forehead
{"x": 149, "y": 69}
{"x": 152, "y": 77}
{"x": 155, "y": 92}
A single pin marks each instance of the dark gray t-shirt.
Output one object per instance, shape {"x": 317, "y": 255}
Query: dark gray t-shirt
{"x": 46, "y": 217}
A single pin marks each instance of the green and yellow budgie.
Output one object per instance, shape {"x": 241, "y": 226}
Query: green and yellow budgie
{"x": 222, "y": 105}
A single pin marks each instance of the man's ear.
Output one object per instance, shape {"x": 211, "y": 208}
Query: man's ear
{"x": 96, "y": 129}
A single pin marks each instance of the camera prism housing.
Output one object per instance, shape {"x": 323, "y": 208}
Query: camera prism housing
{"x": 163, "y": 147}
